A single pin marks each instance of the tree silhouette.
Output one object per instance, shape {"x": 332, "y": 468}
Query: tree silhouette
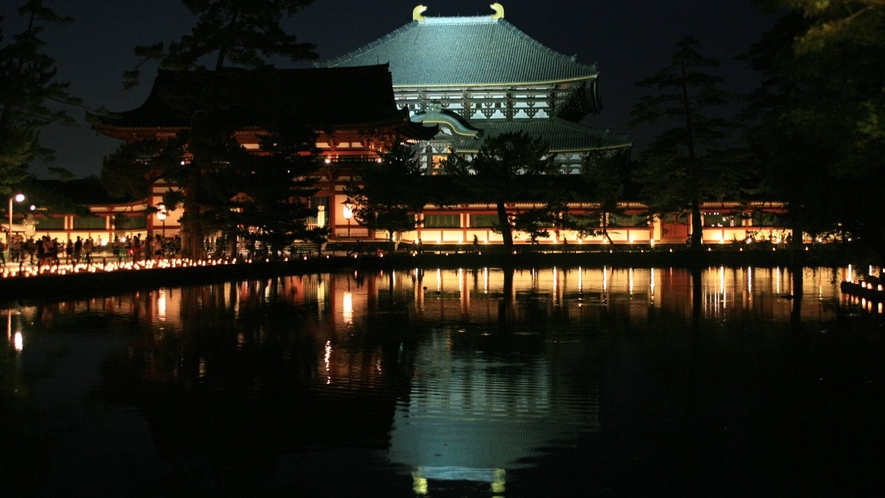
{"x": 821, "y": 115}
{"x": 28, "y": 85}
{"x": 507, "y": 168}
{"x": 387, "y": 195}
{"x": 226, "y": 32}
{"x": 686, "y": 164}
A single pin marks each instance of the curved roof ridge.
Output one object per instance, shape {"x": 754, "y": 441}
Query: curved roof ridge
{"x": 368, "y": 46}
{"x": 589, "y": 129}
{"x": 459, "y": 20}
{"x": 540, "y": 46}
{"x": 466, "y": 51}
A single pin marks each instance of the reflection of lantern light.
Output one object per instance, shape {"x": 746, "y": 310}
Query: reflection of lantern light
{"x": 750, "y": 281}
{"x": 348, "y": 307}
{"x": 580, "y": 279}
{"x": 161, "y": 305}
{"x": 630, "y": 281}
{"x": 555, "y": 280}
{"x": 651, "y": 286}
{"x": 18, "y": 341}
{"x": 604, "y": 279}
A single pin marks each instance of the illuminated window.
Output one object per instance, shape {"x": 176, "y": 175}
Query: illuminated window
{"x": 719, "y": 219}
{"x": 50, "y": 223}
{"x": 627, "y": 220}
{"x": 763, "y": 219}
{"x": 442, "y": 221}
{"x": 137, "y": 222}
{"x": 90, "y": 222}
{"x": 483, "y": 220}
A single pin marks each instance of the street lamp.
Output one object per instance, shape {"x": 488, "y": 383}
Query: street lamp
{"x": 161, "y": 215}
{"x": 16, "y": 198}
{"x": 348, "y": 214}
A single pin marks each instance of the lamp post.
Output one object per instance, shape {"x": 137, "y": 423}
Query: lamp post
{"x": 161, "y": 215}
{"x": 16, "y": 198}
{"x": 348, "y": 214}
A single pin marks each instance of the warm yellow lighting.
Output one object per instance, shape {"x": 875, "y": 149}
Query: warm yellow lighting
{"x": 16, "y": 198}
{"x": 419, "y": 484}
{"x": 161, "y": 305}
{"x": 327, "y": 355}
{"x": 348, "y": 307}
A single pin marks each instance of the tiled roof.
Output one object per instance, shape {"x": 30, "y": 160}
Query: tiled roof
{"x": 465, "y": 51}
{"x": 317, "y": 97}
{"x": 561, "y": 135}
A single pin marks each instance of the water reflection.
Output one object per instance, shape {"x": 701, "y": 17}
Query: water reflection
{"x": 419, "y": 381}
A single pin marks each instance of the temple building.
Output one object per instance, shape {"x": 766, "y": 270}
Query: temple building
{"x": 481, "y": 76}
{"x": 444, "y": 84}
{"x": 351, "y": 111}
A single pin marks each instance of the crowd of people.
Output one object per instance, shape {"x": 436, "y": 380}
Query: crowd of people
{"x": 50, "y": 251}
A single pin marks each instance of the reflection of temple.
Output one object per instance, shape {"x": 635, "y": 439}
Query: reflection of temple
{"x": 473, "y": 416}
{"x": 419, "y": 366}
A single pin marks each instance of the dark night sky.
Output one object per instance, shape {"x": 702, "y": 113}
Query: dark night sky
{"x": 627, "y": 40}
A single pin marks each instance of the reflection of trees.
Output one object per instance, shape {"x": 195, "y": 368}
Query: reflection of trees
{"x": 20, "y": 415}
{"x": 505, "y": 306}
{"x": 798, "y": 273}
{"x": 245, "y": 382}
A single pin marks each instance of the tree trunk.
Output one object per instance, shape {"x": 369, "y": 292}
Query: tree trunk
{"x": 605, "y": 228}
{"x": 192, "y": 240}
{"x": 506, "y": 229}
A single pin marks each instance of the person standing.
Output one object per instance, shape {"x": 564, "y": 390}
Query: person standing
{"x": 15, "y": 248}
{"x": 157, "y": 247}
{"x": 69, "y": 251}
{"x": 87, "y": 250}
{"x": 78, "y": 249}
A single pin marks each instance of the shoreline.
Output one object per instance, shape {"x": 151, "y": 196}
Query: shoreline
{"x": 98, "y": 283}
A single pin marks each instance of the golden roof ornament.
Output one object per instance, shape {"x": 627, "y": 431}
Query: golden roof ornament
{"x": 499, "y": 10}
{"x": 417, "y": 13}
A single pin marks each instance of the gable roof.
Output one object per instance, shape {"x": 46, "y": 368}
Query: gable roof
{"x": 457, "y": 51}
{"x": 320, "y": 98}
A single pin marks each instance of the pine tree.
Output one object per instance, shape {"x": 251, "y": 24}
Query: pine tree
{"x": 508, "y": 168}
{"x": 387, "y": 195}
{"x": 821, "y": 110}
{"x": 686, "y": 164}
{"x": 28, "y": 87}
{"x": 227, "y": 33}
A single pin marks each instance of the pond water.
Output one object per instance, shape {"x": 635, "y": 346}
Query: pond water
{"x": 490, "y": 383}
